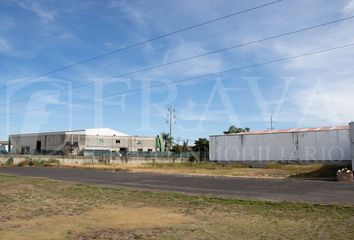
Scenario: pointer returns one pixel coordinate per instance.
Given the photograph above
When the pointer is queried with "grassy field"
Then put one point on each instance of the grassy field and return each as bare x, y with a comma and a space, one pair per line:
270, 170
34, 208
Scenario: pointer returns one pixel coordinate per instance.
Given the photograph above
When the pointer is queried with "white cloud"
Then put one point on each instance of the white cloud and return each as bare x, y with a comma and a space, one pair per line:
349, 8
187, 69
328, 101
48, 97
5, 46
202, 65
134, 12
212, 116
37, 8
322, 89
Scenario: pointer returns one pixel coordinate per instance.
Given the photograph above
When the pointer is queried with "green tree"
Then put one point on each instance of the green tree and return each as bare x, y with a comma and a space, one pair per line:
177, 148
168, 140
234, 129
185, 147
201, 145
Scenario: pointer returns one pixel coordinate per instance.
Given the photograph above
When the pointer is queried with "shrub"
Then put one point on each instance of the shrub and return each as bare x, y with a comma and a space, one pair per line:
24, 163
29, 163
192, 159
9, 161
51, 162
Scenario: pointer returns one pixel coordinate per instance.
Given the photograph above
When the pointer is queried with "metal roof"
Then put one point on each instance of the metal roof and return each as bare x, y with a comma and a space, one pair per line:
98, 132
90, 131
290, 130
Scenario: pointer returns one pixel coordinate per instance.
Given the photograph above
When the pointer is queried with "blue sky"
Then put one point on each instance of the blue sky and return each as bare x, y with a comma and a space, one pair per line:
39, 36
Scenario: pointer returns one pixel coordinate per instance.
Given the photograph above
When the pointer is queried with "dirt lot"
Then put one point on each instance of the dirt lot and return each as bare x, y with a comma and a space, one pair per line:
35, 208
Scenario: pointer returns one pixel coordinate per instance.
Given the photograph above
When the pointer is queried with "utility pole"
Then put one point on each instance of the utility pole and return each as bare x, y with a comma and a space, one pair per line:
171, 120
271, 122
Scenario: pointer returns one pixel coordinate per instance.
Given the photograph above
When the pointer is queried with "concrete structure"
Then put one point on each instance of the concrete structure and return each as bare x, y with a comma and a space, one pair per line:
293, 145
4, 147
80, 142
351, 125
82, 160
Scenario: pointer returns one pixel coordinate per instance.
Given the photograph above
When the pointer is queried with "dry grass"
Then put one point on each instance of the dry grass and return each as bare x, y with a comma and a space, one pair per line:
106, 216
271, 170
34, 208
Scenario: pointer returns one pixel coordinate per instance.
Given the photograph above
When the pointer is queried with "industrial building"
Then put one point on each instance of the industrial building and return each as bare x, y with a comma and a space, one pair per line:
293, 145
86, 142
351, 134
4, 147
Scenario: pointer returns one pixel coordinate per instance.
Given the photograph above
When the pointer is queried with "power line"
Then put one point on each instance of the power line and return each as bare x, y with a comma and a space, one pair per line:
149, 40
191, 57
206, 75
266, 21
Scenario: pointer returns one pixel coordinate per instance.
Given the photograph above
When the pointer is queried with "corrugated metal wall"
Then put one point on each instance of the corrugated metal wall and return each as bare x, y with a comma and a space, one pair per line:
292, 146
351, 125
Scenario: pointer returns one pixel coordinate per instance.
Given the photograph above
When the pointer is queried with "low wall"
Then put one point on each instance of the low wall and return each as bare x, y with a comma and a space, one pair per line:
68, 160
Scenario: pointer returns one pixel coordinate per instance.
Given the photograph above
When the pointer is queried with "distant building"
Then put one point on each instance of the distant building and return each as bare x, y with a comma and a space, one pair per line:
4, 147
351, 125
293, 145
80, 142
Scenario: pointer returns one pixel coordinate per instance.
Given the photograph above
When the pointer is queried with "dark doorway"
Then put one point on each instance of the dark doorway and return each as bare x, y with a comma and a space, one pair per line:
39, 147
123, 150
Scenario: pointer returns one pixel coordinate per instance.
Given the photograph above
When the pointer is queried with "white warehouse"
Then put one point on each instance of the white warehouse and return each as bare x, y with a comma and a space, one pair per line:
80, 142
293, 145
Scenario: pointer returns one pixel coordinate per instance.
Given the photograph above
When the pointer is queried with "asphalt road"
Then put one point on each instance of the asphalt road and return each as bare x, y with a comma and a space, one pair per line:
292, 190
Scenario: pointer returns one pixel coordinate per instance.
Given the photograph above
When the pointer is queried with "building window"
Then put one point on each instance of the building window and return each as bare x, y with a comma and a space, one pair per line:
149, 150
139, 142
117, 141
140, 149
100, 140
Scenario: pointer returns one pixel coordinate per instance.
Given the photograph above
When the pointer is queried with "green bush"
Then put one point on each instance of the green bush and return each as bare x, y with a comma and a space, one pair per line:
9, 161
25, 163
51, 162
192, 159
30, 162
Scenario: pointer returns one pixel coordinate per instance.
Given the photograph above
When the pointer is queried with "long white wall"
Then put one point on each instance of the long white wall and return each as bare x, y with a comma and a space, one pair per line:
331, 145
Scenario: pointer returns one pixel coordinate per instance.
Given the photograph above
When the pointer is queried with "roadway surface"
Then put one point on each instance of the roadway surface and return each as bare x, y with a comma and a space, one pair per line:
292, 190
